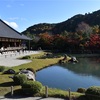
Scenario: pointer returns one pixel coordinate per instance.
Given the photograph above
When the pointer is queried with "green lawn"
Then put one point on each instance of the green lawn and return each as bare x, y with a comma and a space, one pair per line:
38, 62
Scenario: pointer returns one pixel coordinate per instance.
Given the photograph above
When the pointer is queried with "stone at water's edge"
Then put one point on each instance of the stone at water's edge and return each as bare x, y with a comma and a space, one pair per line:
30, 75
67, 59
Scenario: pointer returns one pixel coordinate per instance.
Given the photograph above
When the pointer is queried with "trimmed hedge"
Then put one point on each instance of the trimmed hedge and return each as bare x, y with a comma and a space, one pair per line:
26, 57
94, 90
81, 90
2, 68
31, 87
19, 79
93, 93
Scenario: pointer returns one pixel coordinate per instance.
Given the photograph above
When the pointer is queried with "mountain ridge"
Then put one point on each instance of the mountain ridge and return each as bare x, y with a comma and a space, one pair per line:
68, 25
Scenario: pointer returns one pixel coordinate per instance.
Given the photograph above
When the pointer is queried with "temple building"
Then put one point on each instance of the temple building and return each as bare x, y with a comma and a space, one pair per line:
11, 39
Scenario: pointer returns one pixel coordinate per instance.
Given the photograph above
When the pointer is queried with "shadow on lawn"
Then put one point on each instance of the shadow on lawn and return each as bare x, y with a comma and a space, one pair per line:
87, 97
82, 97
7, 84
16, 94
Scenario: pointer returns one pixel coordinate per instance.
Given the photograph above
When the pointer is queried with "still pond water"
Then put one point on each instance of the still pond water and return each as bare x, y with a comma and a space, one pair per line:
84, 74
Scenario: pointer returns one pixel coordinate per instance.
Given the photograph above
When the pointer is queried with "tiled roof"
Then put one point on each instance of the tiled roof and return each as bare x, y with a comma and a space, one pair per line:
7, 32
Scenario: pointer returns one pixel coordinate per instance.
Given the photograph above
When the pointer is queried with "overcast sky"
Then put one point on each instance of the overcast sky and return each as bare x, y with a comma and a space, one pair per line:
21, 14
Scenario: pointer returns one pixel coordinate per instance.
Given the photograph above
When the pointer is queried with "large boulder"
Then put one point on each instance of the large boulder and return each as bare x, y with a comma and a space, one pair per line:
30, 75
67, 59
9, 71
73, 59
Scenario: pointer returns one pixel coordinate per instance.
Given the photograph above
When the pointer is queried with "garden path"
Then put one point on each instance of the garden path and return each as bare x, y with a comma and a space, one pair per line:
10, 59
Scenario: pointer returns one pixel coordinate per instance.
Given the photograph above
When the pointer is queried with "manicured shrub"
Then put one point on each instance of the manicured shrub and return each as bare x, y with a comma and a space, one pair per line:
2, 68
26, 57
94, 90
81, 90
31, 87
93, 93
19, 79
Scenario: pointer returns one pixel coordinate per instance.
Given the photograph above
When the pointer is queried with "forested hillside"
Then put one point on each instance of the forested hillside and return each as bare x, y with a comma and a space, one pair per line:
79, 34
69, 25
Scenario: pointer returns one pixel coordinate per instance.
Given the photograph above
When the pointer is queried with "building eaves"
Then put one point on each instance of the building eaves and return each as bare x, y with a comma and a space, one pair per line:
8, 32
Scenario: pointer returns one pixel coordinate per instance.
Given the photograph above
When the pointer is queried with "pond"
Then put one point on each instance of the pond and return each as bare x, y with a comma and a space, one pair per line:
83, 74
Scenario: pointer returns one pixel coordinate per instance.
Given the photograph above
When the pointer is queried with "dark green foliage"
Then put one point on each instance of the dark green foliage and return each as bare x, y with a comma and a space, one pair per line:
26, 57
19, 79
81, 90
93, 93
39, 28
2, 68
31, 87
94, 90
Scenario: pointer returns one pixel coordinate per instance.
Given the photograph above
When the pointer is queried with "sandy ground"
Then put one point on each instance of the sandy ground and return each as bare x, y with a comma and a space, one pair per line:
10, 59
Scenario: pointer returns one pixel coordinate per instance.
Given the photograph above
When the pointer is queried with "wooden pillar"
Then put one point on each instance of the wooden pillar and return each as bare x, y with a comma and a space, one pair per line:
46, 91
12, 92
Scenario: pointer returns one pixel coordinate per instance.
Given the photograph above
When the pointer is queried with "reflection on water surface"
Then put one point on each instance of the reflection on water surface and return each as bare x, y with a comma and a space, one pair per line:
84, 74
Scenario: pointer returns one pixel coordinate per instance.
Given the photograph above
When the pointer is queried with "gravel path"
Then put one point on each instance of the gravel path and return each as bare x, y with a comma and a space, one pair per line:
30, 98
10, 59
